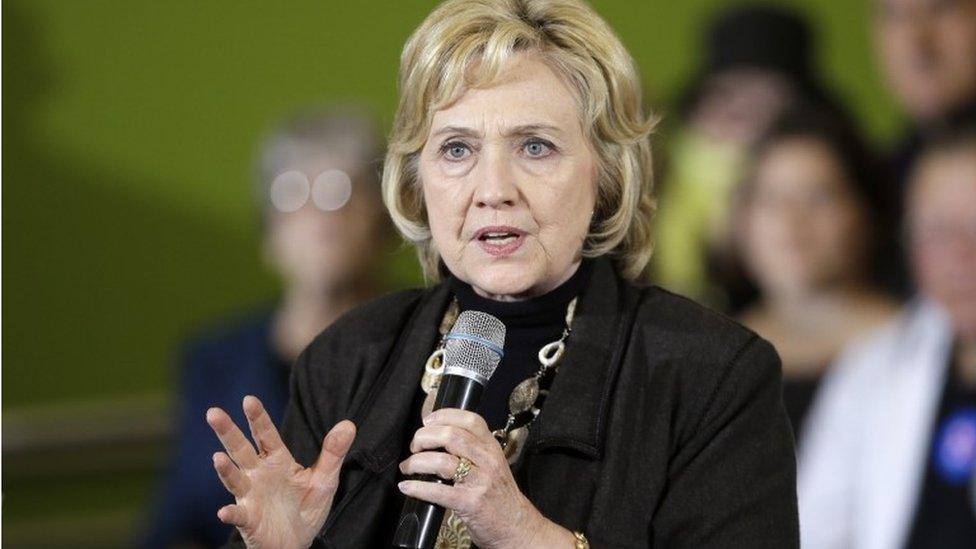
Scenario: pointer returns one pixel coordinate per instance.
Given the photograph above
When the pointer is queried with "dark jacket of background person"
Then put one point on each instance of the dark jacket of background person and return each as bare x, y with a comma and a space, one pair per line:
217, 369
664, 426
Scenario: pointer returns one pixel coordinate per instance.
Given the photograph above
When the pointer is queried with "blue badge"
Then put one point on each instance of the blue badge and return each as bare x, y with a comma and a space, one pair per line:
955, 448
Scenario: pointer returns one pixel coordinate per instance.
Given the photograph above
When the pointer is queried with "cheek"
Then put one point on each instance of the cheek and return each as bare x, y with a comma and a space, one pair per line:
758, 230
767, 229
926, 263
441, 225
570, 214
839, 232
446, 220
563, 200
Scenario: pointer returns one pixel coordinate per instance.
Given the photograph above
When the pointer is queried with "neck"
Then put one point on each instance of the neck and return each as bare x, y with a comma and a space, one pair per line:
307, 309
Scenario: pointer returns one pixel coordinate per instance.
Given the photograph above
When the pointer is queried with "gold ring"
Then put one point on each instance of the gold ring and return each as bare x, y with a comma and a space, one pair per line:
463, 468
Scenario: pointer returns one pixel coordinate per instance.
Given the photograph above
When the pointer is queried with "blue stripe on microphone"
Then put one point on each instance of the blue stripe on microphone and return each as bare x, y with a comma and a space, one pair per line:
474, 339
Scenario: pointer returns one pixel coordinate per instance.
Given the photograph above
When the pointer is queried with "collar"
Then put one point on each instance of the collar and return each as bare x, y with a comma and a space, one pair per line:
546, 309
576, 410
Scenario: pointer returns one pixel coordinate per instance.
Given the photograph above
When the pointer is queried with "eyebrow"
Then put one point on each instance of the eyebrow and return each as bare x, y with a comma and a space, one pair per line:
522, 129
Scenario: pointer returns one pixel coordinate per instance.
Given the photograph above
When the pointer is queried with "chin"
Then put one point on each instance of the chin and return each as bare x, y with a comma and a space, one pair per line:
506, 279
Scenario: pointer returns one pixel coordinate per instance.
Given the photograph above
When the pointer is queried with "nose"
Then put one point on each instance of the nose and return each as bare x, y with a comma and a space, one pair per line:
496, 186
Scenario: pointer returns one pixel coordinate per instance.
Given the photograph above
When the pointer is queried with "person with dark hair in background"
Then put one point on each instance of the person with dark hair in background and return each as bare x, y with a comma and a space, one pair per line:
808, 221
927, 52
758, 62
890, 457
324, 230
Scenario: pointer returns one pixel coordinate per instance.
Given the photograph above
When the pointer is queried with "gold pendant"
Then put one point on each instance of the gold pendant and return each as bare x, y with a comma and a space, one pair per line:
524, 396
433, 371
514, 442
453, 533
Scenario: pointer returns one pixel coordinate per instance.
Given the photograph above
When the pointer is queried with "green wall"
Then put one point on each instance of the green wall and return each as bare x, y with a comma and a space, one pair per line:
128, 135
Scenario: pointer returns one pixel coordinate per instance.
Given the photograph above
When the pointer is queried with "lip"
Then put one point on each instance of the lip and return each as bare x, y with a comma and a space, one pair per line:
500, 250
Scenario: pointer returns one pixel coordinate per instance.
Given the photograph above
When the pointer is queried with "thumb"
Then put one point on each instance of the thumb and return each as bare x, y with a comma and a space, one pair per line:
335, 446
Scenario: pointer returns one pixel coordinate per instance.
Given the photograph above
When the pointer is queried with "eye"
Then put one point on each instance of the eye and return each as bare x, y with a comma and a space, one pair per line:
455, 150
537, 148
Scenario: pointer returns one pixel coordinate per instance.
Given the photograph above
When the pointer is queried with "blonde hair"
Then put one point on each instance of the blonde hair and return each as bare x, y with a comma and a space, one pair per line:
436, 68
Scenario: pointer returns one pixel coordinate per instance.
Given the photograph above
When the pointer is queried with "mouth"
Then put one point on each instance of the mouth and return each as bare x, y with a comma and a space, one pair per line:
500, 240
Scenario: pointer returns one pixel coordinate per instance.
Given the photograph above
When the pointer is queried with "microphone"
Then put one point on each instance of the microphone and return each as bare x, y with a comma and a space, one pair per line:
472, 350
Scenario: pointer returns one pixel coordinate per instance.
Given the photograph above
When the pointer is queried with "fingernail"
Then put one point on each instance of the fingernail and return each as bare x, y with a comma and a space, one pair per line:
402, 486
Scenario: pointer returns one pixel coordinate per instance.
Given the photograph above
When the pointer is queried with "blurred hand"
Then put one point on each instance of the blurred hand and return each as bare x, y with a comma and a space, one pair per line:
488, 499
280, 503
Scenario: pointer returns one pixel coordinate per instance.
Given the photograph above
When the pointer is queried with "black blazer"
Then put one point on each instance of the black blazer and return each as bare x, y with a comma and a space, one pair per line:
664, 426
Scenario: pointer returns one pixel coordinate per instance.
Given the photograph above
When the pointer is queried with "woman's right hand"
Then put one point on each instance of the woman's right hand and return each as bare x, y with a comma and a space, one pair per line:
280, 503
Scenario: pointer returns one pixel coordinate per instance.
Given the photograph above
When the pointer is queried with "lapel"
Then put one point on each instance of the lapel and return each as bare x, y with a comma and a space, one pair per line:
382, 417
576, 410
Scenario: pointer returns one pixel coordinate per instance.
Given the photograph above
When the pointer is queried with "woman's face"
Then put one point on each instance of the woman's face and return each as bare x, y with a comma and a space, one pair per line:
942, 231
329, 235
509, 183
803, 226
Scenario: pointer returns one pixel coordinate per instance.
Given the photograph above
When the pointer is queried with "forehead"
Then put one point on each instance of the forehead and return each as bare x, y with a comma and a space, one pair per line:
783, 157
526, 91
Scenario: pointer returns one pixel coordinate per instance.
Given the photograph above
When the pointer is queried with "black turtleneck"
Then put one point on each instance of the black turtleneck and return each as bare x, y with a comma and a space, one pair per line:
529, 324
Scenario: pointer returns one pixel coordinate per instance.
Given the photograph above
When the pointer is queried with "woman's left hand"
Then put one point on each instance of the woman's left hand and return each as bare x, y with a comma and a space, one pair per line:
487, 500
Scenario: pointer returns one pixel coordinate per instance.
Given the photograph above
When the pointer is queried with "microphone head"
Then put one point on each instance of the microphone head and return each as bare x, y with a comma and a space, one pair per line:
474, 346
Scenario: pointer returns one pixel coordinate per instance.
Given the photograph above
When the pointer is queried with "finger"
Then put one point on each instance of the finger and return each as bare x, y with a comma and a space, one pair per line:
234, 441
444, 495
335, 446
233, 479
454, 440
233, 514
262, 428
441, 464
464, 419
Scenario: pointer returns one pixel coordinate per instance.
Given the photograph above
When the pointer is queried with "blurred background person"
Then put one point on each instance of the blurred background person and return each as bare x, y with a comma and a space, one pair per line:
807, 225
758, 62
889, 458
324, 231
927, 52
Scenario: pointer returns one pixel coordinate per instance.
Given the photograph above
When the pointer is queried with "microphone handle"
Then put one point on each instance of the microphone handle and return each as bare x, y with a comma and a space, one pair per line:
420, 521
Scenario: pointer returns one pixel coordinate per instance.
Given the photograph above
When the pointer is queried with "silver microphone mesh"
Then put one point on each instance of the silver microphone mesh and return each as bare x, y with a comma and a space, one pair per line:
474, 346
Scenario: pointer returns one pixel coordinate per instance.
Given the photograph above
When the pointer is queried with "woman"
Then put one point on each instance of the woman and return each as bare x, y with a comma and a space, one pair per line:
810, 220
758, 61
519, 164
316, 247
